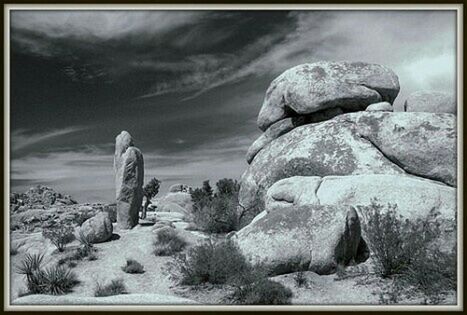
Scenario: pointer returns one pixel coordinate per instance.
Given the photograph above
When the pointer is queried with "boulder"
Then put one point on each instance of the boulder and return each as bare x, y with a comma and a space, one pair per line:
314, 237
415, 197
380, 107
182, 199
318, 87
179, 188
97, 229
420, 144
431, 101
129, 175
172, 207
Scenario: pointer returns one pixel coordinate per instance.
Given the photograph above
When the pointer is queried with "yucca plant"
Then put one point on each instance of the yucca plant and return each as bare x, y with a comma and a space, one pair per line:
59, 280
53, 280
30, 263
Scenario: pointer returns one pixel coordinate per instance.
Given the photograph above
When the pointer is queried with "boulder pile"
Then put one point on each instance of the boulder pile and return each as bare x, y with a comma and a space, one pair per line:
332, 144
38, 197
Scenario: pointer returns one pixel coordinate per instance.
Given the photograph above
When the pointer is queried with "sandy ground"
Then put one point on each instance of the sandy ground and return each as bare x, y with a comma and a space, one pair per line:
156, 286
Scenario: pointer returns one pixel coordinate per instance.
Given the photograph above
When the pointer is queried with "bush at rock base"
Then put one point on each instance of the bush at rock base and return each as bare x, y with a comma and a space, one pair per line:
168, 242
222, 263
216, 212
216, 263
115, 287
60, 236
53, 280
405, 250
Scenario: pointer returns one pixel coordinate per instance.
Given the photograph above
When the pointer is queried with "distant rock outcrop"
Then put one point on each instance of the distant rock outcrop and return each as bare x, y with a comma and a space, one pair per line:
97, 229
179, 188
129, 175
38, 197
431, 102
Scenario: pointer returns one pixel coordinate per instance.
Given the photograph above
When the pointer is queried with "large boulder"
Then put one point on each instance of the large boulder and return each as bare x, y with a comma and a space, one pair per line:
431, 101
179, 188
321, 86
182, 199
314, 237
97, 229
415, 197
129, 175
421, 144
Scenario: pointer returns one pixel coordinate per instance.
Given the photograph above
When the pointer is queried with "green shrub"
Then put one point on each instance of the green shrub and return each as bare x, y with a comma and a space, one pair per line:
216, 263
168, 242
115, 287
132, 266
60, 236
52, 280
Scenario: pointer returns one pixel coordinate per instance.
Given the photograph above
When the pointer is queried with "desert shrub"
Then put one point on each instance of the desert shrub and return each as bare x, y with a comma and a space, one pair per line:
216, 213
132, 266
168, 242
216, 263
150, 190
201, 196
115, 287
262, 292
60, 236
404, 250
433, 273
52, 280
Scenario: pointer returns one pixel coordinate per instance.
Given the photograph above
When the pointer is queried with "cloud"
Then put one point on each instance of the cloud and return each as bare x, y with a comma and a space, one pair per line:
98, 25
21, 139
398, 39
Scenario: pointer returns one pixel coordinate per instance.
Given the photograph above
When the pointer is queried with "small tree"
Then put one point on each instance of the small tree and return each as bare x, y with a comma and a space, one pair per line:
60, 236
150, 190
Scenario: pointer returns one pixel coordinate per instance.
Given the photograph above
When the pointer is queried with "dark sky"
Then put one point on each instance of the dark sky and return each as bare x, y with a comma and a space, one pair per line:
187, 85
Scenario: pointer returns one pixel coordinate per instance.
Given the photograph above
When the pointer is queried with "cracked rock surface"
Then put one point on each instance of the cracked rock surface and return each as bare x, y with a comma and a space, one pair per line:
419, 144
314, 87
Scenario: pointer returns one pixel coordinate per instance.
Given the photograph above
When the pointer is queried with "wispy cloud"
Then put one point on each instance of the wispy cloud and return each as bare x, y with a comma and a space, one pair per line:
21, 139
98, 25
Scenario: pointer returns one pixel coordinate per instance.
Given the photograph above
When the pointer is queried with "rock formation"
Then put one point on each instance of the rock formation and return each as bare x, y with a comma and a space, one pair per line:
331, 145
179, 188
430, 101
97, 229
129, 175
38, 197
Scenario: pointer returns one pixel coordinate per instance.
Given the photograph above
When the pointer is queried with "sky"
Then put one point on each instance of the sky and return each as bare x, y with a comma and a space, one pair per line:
187, 85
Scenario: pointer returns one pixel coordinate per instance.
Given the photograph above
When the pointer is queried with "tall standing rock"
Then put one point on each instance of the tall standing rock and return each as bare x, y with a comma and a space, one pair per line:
129, 174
